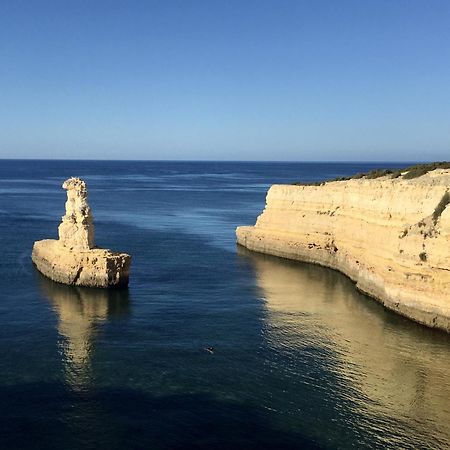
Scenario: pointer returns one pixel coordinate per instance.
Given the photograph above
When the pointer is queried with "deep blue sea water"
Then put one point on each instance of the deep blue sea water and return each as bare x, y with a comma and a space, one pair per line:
301, 359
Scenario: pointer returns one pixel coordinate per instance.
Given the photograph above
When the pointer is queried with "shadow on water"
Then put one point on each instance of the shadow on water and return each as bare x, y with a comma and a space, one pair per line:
88, 302
393, 371
48, 416
81, 312
76, 413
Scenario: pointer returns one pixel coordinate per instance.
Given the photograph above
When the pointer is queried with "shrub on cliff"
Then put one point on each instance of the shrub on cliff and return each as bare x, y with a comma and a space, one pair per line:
421, 169
377, 173
445, 200
408, 173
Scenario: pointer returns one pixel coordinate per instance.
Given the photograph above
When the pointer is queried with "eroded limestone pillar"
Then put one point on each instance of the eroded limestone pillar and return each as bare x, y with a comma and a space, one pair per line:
76, 230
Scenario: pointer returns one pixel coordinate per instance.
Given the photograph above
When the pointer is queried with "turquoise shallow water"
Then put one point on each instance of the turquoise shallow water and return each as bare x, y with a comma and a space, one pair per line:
301, 359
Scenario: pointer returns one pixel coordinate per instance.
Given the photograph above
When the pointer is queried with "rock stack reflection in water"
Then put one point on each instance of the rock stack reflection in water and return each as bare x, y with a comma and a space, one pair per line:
81, 313
314, 314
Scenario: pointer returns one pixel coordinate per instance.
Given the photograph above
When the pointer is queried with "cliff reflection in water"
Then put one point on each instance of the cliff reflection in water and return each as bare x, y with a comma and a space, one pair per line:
81, 311
387, 367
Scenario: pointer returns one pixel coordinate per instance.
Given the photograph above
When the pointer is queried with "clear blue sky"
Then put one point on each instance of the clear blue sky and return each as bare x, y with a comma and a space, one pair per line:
252, 80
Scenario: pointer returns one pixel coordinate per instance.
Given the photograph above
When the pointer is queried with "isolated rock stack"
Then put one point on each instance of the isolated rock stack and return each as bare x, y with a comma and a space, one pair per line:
73, 259
77, 229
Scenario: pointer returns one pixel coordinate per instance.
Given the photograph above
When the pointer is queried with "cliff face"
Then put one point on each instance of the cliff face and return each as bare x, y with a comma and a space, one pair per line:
73, 259
391, 236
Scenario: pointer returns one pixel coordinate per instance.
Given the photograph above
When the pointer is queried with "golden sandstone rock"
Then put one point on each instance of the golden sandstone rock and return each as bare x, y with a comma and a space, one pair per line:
389, 235
76, 230
73, 259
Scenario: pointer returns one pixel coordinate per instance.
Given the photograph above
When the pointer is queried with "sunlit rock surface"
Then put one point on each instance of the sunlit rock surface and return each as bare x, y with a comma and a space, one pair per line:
73, 259
391, 236
76, 230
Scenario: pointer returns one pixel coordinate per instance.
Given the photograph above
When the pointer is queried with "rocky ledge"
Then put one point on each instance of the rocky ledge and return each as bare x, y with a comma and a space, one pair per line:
73, 258
391, 235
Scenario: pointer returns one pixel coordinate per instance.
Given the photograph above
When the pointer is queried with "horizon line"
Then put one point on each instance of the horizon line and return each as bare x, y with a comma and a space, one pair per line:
228, 160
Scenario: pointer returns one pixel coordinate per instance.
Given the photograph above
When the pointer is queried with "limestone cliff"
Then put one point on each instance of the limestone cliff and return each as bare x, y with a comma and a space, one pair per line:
73, 259
390, 235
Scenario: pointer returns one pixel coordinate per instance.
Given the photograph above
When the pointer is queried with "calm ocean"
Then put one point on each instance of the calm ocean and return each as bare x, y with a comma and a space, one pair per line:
301, 359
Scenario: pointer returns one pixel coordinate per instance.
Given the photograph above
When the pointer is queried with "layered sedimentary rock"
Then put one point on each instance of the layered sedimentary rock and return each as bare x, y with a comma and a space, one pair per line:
73, 258
76, 230
391, 236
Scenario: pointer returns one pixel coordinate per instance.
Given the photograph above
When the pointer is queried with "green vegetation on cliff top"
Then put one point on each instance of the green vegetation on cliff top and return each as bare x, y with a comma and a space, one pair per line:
407, 173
